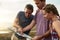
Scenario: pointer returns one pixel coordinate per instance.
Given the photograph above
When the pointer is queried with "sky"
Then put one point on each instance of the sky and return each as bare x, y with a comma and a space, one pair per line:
10, 8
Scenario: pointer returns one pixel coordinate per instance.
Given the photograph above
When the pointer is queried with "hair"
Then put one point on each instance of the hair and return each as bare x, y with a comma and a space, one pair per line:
50, 7
29, 6
42, 0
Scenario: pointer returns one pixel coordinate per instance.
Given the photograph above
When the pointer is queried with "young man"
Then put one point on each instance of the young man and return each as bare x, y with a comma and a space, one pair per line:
22, 20
42, 26
41, 23
51, 13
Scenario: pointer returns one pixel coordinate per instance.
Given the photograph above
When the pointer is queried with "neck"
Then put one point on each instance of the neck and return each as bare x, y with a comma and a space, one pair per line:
40, 8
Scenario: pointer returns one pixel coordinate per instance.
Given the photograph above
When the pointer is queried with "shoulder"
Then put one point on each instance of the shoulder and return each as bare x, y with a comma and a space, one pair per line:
56, 23
32, 16
21, 12
37, 11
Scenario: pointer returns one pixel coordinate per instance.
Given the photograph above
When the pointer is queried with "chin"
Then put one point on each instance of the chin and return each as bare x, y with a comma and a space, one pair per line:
27, 17
48, 18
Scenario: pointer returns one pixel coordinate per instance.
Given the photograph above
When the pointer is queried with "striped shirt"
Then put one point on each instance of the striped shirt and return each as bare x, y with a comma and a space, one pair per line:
41, 24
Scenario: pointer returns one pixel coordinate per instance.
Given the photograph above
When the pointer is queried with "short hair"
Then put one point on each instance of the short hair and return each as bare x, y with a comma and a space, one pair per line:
42, 0
29, 6
51, 7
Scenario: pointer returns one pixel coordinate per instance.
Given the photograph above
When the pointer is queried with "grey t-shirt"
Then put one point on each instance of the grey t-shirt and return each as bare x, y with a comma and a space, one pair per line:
24, 21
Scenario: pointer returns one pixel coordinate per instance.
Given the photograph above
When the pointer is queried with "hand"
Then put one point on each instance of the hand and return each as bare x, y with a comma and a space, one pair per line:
20, 30
36, 38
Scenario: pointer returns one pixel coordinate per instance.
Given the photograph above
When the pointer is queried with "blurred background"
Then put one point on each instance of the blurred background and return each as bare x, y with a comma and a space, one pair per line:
9, 10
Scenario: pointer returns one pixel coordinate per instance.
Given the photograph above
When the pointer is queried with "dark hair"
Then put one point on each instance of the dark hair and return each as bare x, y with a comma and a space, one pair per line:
50, 7
42, 0
29, 6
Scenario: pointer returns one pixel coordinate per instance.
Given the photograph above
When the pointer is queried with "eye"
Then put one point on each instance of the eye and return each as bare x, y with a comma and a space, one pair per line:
42, 0
37, 3
26, 12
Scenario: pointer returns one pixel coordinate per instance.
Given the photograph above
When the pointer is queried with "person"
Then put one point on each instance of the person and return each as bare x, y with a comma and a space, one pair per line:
42, 26
51, 13
23, 19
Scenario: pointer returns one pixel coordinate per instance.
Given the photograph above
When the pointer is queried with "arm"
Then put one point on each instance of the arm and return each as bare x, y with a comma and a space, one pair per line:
41, 36
48, 32
56, 25
45, 34
16, 23
30, 26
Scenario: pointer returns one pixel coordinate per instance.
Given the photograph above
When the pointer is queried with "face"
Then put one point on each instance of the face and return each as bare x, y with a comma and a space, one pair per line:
28, 12
47, 15
39, 4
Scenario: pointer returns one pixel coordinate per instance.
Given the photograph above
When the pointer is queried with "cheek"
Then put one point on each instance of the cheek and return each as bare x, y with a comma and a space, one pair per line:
45, 16
48, 16
25, 14
40, 4
43, 3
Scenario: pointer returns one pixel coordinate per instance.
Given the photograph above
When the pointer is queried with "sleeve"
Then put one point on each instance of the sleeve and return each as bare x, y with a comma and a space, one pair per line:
19, 14
36, 15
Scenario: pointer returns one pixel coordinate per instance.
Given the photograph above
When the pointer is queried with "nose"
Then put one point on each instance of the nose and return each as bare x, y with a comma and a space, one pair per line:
37, 5
28, 15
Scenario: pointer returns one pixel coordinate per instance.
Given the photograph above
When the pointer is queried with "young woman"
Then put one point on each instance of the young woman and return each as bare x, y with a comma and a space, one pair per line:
50, 12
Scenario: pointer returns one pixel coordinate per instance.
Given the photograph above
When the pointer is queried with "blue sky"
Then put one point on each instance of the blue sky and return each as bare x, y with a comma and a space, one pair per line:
10, 8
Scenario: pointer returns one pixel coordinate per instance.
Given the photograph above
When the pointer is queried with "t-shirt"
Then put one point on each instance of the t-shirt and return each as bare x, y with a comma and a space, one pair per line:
23, 21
